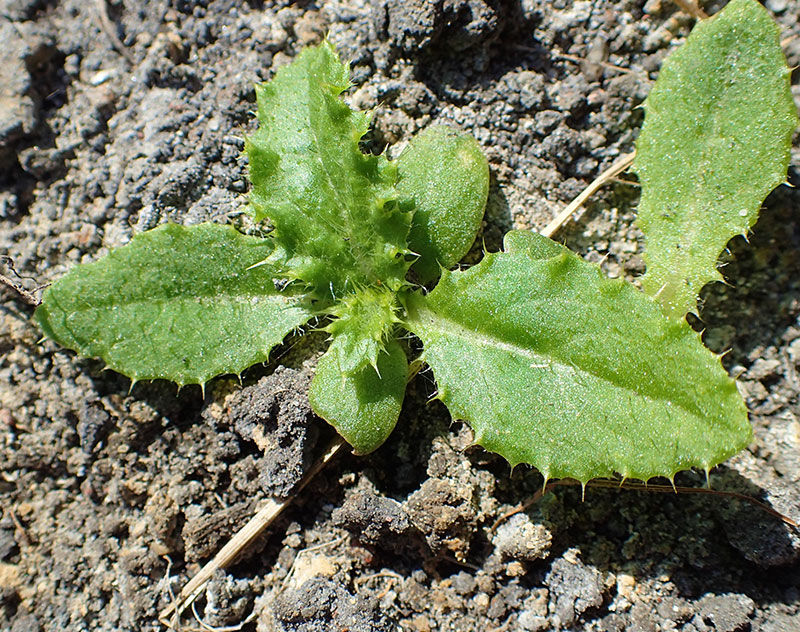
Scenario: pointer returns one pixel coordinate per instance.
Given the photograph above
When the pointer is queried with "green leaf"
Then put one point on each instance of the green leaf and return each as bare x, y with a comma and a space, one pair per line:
363, 405
581, 376
179, 303
363, 323
715, 141
359, 383
445, 175
337, 222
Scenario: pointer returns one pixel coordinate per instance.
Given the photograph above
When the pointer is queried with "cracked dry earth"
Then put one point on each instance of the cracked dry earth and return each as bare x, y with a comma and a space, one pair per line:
118, 115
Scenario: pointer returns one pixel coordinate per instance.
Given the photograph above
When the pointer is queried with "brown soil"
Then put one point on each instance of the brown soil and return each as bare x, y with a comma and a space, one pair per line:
118, 116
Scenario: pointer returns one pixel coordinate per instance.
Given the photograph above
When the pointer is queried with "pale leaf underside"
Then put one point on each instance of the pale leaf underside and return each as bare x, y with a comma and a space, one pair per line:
580, 376
715, 141
177, 303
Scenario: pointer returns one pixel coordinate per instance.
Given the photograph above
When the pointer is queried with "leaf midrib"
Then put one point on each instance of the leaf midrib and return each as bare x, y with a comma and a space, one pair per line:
449, 328
232, 298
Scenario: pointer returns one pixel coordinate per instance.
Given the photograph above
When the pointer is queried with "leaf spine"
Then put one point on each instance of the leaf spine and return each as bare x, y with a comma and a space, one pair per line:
671, 479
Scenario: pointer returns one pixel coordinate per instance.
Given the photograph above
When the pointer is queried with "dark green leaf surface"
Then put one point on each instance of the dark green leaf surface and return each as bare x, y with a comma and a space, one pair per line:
581, 376
177, 303
363, 405
715, 141
337, 222
446, 176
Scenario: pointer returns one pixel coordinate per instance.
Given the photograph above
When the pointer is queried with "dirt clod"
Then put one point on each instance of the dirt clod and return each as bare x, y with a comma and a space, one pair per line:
575, 587
372, 519
276, 416
727, 612
321, 605
519, 538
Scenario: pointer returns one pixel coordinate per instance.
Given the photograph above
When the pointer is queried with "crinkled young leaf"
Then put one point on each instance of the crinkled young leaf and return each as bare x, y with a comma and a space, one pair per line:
715, 141
363, 405
445, 175
178, 303
337, 223
581, 376
362, 325
359, 383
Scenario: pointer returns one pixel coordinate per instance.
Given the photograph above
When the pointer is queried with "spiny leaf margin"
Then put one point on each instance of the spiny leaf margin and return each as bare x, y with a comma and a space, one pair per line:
337, 223
178, 303
715, 141
554, 365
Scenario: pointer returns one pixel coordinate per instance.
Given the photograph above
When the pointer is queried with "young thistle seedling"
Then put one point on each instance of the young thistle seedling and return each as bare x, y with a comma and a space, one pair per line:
551, 363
